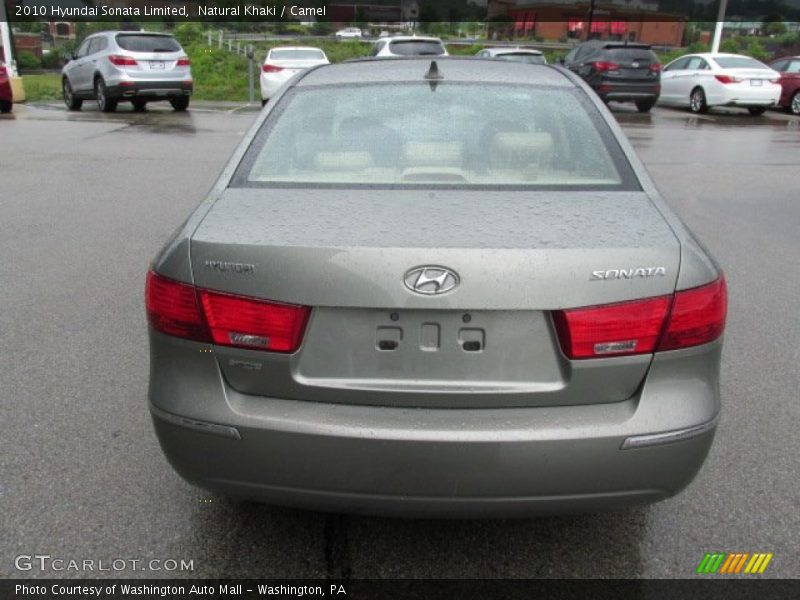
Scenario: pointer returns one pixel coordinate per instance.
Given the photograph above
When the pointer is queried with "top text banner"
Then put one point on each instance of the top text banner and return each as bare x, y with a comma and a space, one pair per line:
395, 11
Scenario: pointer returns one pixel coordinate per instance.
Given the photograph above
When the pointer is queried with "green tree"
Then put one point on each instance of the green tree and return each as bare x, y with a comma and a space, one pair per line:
189, 33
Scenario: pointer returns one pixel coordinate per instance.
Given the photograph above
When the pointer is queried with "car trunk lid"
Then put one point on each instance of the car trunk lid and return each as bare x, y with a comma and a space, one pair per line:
488, 342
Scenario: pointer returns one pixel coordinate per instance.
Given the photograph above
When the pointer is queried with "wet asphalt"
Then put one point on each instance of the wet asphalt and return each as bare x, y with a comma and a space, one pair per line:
86, 199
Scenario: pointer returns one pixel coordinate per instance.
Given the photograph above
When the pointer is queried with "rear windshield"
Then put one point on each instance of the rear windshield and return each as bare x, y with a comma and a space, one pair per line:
739, 62
523, 57
629, 54
296, 55
453, 135
416, 48
147, 43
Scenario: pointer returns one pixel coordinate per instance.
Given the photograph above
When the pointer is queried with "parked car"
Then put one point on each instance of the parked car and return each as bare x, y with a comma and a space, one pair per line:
343, 336
6, 94
349, 33
284, 62
789, 69
123, 66
700, 81
408, 45
524, 55
618, 71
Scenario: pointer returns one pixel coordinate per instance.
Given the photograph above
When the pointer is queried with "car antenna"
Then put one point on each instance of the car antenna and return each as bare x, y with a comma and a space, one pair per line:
433, 75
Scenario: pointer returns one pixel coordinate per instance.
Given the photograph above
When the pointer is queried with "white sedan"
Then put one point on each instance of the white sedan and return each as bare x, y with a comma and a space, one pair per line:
284, 62
701, 81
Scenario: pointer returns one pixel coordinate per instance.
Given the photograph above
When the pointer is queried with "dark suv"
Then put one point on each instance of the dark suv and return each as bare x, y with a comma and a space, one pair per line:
618, 71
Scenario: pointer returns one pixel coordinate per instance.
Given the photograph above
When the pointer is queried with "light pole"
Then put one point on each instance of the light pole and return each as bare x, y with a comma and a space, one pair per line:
723, 6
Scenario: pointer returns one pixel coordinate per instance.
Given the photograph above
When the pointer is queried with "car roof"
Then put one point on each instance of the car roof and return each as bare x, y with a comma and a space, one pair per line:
514, 50
413, 38
461, 69
616, 45
121, 31
297, 48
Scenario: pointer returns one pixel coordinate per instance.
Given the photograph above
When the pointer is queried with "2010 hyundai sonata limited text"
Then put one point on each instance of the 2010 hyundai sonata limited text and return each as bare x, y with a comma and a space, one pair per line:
436, 288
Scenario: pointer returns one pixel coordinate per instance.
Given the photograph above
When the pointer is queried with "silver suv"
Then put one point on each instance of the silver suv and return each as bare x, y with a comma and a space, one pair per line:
139, 67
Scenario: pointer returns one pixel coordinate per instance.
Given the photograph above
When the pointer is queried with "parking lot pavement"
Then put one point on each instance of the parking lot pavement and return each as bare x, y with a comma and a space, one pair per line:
86, 199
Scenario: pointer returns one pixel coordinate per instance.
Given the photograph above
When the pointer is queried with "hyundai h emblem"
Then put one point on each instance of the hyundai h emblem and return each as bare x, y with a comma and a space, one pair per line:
431, 280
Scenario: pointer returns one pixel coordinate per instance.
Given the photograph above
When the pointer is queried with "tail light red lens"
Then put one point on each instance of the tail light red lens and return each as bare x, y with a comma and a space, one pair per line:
727, 79
605, 65
688, 318
655, 67
697, 317
184, 311
122, 61
271, 69
172, 308
612, 329
183, 61
255, 324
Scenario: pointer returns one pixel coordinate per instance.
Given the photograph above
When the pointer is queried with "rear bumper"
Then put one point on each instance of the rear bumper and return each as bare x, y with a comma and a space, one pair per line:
627, 92
150, 90
755, 96
435, 462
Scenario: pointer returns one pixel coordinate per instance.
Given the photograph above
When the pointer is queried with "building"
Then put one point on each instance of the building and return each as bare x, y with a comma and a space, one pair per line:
632, 20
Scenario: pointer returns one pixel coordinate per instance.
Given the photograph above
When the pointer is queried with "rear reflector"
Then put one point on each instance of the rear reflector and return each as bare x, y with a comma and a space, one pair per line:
184, 311
688, 318
697, 316
122, 61
172, 308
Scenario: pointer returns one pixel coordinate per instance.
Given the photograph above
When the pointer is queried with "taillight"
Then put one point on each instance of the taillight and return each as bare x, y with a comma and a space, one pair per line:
183, 61
271, 69
252, 323
655, 67
172, 308
122, 61
202, 315
688, 318
605, 65
727, 79
697, 316
612, 329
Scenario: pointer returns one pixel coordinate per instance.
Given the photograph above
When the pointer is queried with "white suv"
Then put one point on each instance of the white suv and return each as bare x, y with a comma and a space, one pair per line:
349, 33
407, 45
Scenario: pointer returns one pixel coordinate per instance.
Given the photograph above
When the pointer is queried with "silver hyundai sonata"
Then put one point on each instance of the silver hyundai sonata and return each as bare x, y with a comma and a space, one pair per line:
436, 288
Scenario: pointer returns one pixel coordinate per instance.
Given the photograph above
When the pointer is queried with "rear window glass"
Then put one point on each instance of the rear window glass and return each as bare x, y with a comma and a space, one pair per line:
794, 67
628, 54
523, 57
147, 43
416, 48
739, 62
451, 134
296, 55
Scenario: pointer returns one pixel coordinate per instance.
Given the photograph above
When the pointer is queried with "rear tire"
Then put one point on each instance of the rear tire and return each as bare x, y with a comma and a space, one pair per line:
757, 111
5, 106
139, 105
180, 104
104, 103
794, 104
697, 101
644, 106
70, 100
